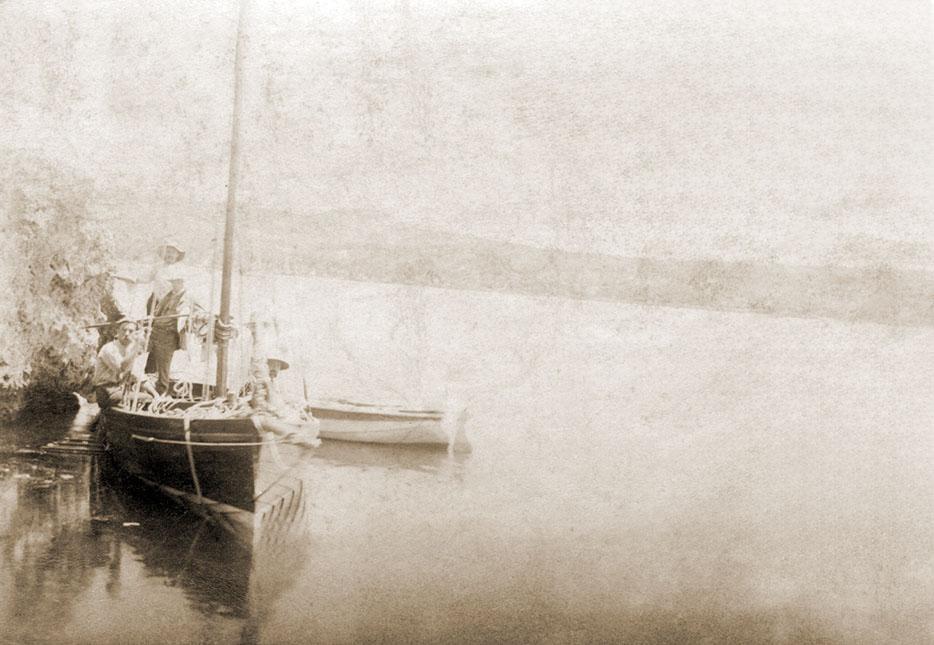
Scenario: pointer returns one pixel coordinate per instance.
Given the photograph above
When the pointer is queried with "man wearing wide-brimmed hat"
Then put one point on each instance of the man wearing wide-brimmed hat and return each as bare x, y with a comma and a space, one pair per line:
170, 254
170, 315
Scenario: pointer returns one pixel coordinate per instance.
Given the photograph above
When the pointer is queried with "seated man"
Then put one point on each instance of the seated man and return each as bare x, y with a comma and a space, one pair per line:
114, 366
281, 416
277, 399
266, 393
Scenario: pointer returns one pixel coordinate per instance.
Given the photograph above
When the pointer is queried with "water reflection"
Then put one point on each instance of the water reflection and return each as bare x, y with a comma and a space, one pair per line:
416, 458
50, 548
638, 476
35, 429
210, 567
76, 539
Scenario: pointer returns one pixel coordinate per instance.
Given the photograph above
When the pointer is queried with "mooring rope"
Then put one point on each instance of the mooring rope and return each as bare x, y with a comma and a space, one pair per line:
274, 450
191, 457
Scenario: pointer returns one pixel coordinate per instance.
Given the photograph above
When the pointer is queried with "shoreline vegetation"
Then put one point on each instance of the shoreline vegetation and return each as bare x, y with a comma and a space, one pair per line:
55, 261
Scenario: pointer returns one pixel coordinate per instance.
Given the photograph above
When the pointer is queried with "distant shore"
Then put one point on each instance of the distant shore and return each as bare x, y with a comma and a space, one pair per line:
349, 248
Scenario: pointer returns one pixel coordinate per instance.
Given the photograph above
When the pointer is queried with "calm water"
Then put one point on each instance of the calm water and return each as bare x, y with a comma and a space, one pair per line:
638, 475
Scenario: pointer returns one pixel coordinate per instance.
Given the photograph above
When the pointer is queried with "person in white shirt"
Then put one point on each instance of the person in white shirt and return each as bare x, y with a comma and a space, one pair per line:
114, 366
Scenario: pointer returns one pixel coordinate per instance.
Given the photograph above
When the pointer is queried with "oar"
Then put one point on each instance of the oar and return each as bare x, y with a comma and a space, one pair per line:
111, 324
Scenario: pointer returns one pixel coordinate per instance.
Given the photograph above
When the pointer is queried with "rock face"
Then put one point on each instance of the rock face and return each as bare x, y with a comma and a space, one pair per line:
54, 261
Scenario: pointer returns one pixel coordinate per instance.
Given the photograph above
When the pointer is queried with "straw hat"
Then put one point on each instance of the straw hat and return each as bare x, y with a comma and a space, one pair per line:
171, 245
277, 363
279, 358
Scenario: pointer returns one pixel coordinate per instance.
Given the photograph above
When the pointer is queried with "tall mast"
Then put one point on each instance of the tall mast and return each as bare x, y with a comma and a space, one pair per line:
231, 220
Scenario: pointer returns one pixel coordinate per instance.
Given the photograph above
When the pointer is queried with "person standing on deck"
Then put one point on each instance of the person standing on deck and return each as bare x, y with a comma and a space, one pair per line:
170, 254
114, 366
175, 315
170, 313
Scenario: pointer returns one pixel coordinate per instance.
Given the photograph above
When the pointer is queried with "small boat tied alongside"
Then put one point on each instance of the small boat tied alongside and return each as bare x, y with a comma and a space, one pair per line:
76, 443
343, 420
80, 439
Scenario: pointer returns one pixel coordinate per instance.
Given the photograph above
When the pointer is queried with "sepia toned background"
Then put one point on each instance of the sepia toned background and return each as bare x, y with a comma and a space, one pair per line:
793, 133
674, 257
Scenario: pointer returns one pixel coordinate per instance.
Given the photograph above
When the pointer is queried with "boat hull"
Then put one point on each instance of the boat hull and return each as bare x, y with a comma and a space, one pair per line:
225, 463
355, 422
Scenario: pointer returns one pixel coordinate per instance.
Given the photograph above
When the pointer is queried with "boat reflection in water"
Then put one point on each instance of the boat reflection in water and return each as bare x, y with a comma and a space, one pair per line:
423, 459
86, 556
233, 574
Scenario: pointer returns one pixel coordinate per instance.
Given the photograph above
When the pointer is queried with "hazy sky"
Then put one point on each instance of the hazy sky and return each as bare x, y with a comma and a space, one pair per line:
797, 131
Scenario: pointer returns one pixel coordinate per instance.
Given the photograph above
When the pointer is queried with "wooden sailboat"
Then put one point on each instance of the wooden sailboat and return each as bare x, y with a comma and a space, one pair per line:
219, 455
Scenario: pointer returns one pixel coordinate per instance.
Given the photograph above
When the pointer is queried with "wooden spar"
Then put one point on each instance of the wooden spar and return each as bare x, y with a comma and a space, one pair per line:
134, 320
221, 382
